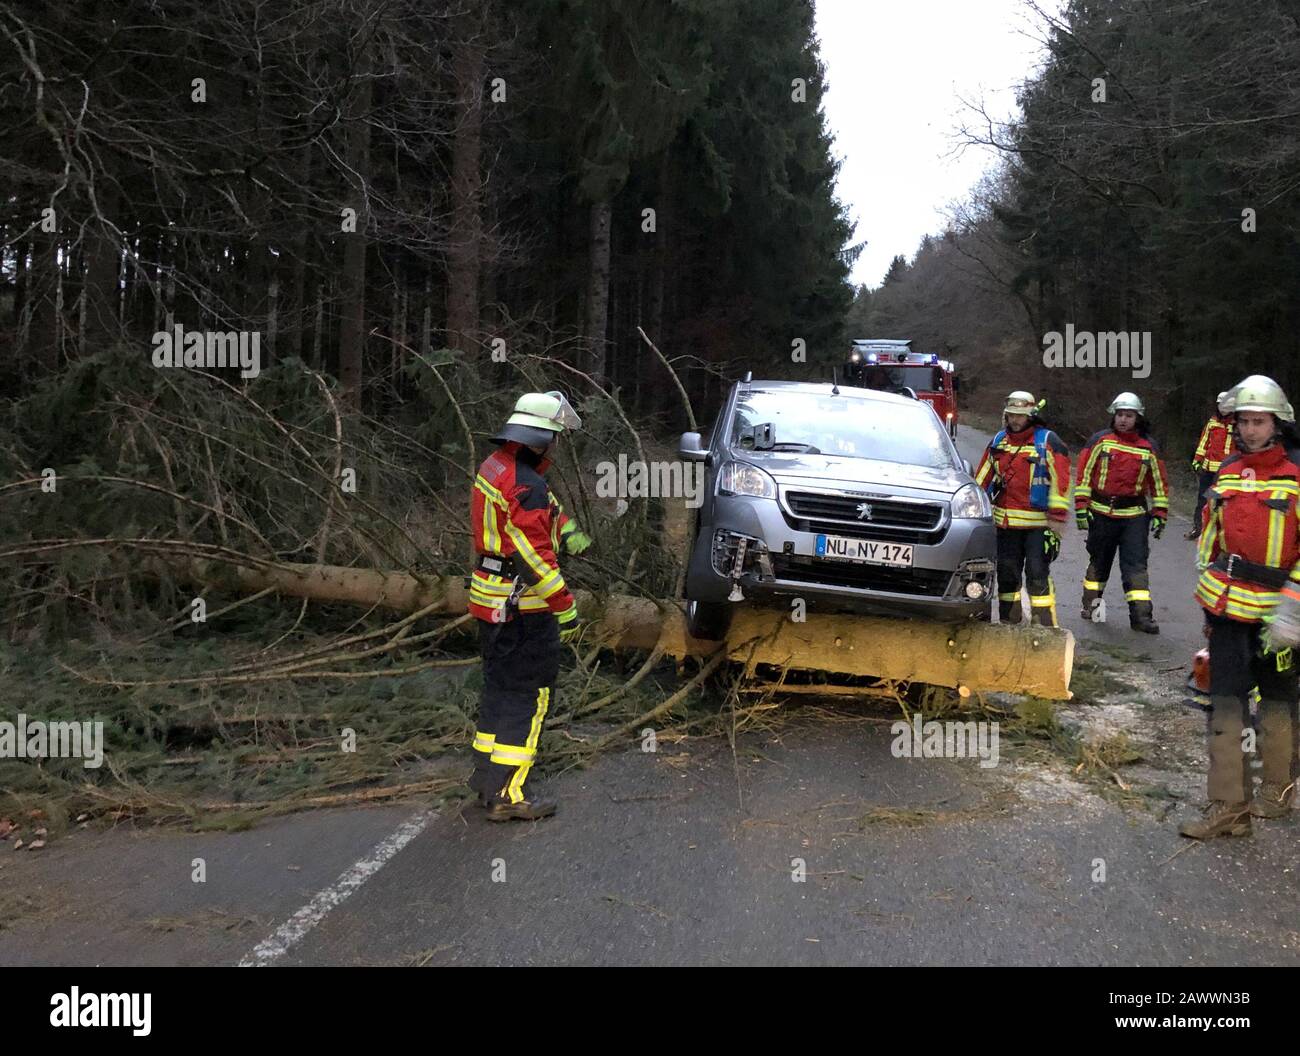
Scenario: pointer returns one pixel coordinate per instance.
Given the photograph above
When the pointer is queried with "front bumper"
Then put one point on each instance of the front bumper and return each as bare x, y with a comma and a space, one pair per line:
779, 562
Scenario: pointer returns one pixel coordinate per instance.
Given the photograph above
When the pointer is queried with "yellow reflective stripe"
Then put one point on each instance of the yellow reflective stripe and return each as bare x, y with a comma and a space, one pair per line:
1204, 442
1276, 530
527, 551
491, 533
1086, 475
1010, 596
497, 589
483, 741
1128, 449
515, 787
1092, 584
1042, 601
1137, 595
1056, 498
481, 482
1100, 507
1232, 482
551, 583
1005, 518
535, 730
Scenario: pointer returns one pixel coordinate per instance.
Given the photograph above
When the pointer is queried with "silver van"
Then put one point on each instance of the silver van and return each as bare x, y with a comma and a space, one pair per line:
854, 500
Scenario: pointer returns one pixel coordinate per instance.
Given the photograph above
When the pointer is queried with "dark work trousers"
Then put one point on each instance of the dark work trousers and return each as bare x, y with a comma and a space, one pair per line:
1237, 665
1128, 536
1022, 549
1203, 481
521, 662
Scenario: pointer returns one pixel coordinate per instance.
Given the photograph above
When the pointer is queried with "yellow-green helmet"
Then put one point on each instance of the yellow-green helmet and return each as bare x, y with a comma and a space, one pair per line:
1260, 393
538, 418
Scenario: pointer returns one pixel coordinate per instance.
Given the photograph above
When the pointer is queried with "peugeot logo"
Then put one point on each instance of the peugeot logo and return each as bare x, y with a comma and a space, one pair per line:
864, 511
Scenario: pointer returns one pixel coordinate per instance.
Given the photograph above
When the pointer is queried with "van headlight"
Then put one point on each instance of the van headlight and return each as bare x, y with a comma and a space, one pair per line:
971, 503
740, 478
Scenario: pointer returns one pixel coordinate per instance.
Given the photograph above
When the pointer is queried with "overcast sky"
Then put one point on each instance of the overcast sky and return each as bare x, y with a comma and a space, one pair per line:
897, 71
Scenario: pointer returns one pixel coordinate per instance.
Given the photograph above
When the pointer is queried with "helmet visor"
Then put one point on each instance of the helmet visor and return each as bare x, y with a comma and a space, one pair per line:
566, 417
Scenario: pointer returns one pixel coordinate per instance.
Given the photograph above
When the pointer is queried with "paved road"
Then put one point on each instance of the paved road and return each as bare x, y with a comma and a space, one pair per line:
690, 856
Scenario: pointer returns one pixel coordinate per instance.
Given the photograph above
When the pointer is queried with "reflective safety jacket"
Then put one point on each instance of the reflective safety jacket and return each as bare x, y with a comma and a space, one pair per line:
1117, 472
1252, 512
1215, 445
1027, 475
517, 523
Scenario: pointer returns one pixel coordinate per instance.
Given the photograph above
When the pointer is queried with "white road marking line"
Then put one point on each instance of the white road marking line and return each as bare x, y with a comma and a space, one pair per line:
293, 930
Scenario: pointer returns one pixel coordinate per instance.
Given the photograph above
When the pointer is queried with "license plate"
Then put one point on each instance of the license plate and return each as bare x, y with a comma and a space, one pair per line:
864, 551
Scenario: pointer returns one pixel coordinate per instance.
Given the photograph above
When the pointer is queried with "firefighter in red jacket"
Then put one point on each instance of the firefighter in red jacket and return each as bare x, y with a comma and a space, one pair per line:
1214, 446
524, 608
1249, 562
1026, 471
1119, 471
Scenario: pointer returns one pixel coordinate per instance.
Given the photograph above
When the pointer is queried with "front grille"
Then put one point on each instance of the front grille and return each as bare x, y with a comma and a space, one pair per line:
928, 582
897, 521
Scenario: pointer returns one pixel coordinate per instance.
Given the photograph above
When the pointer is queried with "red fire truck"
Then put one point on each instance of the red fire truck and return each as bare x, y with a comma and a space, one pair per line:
891, 365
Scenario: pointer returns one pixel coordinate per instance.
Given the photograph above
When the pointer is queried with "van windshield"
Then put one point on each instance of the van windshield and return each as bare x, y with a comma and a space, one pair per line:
838, 425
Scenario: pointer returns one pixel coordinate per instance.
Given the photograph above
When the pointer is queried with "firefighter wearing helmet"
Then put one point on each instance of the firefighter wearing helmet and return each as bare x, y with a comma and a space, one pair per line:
1249, 587
1026, 471
1121, 490
1213, 447
519, 596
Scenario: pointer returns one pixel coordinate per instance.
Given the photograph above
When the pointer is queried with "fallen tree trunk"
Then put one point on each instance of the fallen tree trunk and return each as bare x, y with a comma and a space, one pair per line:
970, 656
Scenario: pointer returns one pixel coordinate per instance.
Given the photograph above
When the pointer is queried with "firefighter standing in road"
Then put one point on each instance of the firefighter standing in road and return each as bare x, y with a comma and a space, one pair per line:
1026, 471
1249, 561
521, 600
1118, 470
1214, 446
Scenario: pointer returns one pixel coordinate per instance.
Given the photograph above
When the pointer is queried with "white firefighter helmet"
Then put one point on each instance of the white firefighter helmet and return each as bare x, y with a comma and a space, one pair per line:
1126, 401
1260, 393
1224, 402
1020, 402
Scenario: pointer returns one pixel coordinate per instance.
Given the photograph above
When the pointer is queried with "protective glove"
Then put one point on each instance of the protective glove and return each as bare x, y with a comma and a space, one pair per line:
576, 541
1282, 629
570, 623
1157, 525
1083, 518
1051, 545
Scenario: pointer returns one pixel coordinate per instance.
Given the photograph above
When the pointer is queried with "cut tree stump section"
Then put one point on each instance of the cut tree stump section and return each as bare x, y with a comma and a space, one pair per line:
971, 656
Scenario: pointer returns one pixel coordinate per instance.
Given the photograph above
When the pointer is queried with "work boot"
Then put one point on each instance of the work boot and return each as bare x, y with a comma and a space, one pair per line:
1042, 615
1219, 819
1140, 617
1195, 533
1272, 800
499, 809
1090, 600
1010, 611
